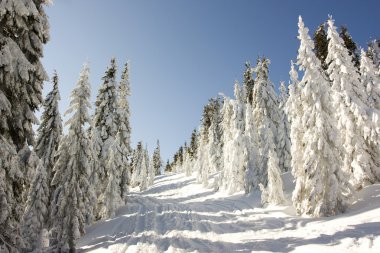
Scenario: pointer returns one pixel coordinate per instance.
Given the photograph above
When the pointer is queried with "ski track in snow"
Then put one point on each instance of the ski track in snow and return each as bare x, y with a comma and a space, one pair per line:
178, 215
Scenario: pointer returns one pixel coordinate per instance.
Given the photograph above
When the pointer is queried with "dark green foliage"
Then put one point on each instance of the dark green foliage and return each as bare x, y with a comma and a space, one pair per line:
350, 45
248, 83
210, 115
193, 148
168, 166
321, 45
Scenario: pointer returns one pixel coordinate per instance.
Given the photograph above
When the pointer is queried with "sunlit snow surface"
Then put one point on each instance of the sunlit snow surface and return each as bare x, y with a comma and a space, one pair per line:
177, 215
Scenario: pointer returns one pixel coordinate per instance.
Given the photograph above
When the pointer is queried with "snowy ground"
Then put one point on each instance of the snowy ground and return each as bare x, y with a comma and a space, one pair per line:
177, 215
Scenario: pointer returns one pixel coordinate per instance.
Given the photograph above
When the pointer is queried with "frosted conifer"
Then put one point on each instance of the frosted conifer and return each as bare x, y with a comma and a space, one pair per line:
156, 160
321, 187
105, 121
273, 193
50, 130
24, 30
283, 139
265, 109
36, 212
111, 197
123, 114
73, 199
349, 100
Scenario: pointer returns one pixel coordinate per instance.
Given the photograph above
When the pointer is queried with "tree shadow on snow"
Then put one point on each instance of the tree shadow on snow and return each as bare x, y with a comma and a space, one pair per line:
281, 244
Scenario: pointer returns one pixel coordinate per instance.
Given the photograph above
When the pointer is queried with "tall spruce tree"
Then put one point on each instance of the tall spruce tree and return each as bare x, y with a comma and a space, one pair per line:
136, 166
36, 211
265, 110
111, 197
105, 125
273, 193
350, 45
321, 45
248, 83
73, 201
156, 159
50, 131
321, 187
349, 99
283, 138
124, 128
23, 32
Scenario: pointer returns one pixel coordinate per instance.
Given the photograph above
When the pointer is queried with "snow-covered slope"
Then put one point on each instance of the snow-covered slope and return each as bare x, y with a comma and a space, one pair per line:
177, 215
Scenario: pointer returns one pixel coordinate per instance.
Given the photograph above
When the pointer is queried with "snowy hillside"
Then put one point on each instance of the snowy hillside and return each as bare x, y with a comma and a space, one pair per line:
178, 215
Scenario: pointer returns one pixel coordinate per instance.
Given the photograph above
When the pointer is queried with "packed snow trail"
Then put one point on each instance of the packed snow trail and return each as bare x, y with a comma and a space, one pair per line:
177, 215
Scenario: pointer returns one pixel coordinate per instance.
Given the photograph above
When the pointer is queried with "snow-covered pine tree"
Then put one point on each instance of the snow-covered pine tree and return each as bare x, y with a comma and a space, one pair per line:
194, 144
50, 131
294, 111
151, 172
273, 193
374, 52
248, 83
251, 144
265, 109
215, 137
321, 187
144, 170
283, 138
105, 122
226, 172
136, 165
350, 45
320, 44
370, 81
235, 148
111, 197
36, 211
23, 31
123, 115
349, 101
157, 161
74, 198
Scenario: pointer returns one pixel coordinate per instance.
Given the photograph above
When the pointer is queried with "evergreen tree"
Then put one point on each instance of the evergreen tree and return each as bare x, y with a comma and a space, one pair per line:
194, 144
111, 197
235, 154
137, 159
370, 81
151, 172
156, 160
374, 52
283, 132
248, 83
168, 167
23, 31
251, 143
73, 200
351, 109
124, 128
144, 170
321, 187
273, 193
265, 111
50, 131
34, 219
350, 45
321, 44
105, 123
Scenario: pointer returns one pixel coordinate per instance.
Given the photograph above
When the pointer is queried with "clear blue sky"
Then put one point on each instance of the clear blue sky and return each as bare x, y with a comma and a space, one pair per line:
184, 52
